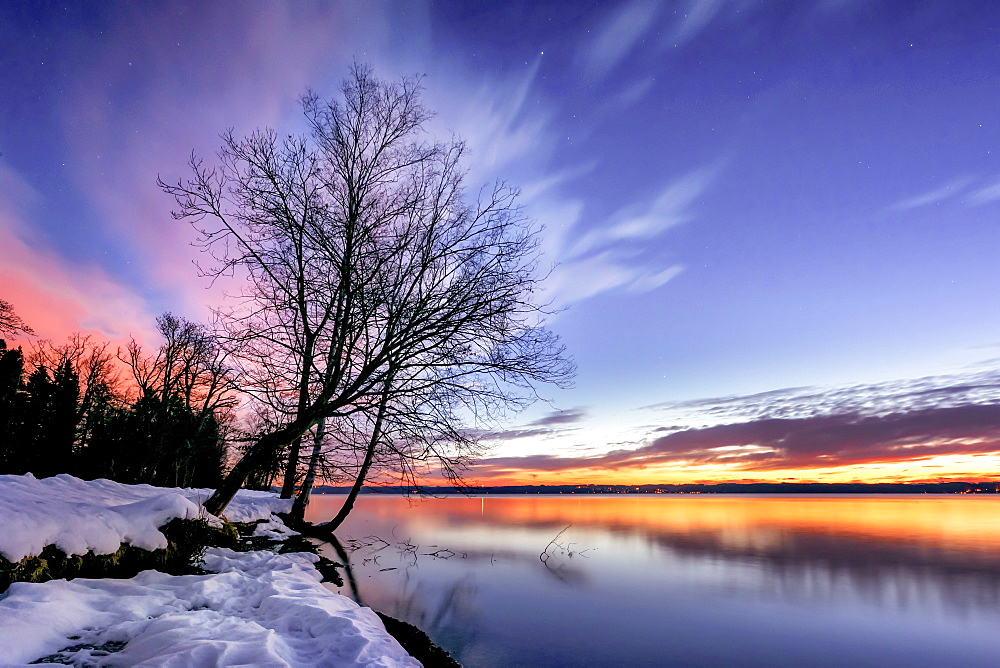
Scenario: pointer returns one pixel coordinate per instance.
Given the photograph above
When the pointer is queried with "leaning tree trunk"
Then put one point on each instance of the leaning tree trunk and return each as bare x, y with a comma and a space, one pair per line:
254, 458
366, 465
302, 500
291, 468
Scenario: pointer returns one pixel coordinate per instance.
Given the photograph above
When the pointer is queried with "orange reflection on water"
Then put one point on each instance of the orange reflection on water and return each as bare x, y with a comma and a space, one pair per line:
949, 522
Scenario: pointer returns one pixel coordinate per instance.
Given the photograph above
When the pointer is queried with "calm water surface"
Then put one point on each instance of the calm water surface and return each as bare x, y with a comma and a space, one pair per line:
685, 580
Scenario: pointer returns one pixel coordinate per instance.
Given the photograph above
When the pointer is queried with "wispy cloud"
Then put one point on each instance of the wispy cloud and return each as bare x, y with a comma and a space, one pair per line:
987, 194
568, 416
643, 221
618, 38
977, 386
494, 118
555, 423
510, 139
628, 96
647, 282
698, 15
608, 256
576, 281
952, 188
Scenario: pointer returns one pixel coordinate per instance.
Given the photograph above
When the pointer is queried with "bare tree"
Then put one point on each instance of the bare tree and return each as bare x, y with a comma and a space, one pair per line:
188, 371
372, 287
189, 365
10, 322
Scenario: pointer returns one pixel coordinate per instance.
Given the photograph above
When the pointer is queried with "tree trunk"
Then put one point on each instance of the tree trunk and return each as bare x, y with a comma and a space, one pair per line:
265, 446
302, 500
359, 481
291, 468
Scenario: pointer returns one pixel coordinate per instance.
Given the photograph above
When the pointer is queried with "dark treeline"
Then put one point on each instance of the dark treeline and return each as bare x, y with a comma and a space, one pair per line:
83, 409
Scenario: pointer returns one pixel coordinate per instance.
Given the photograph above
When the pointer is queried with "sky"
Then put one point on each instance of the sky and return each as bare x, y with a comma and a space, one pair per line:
773, 225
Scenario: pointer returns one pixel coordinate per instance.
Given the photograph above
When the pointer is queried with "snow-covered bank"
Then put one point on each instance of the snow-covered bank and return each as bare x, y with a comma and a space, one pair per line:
78, 516
259, 608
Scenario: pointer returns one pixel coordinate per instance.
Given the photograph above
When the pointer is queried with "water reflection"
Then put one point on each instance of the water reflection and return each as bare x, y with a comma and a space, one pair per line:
682, 581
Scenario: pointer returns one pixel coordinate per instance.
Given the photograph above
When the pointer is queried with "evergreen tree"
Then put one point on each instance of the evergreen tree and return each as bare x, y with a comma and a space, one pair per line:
100, 404
207, 461
83, 397
168, 445
11, 384
60, 432
29, 449
100, 434
187, 394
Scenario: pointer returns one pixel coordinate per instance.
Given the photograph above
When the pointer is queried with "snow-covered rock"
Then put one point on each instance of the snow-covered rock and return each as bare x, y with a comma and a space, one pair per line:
259, 608
78, 516
274, 529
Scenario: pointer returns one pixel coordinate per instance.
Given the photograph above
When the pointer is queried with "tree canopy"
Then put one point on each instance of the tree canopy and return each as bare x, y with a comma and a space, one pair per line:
376, 296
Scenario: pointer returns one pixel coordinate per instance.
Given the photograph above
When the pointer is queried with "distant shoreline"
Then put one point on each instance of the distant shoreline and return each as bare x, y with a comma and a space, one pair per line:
694, 488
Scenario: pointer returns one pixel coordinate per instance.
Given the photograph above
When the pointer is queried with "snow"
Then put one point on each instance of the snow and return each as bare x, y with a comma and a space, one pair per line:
258, 608
274, 529
78, 516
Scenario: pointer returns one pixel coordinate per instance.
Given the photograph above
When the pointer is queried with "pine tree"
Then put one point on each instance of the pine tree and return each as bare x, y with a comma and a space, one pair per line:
60, 433
11, 384
30, 446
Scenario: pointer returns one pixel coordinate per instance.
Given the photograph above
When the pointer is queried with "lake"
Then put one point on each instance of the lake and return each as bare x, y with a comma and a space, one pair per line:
700, 580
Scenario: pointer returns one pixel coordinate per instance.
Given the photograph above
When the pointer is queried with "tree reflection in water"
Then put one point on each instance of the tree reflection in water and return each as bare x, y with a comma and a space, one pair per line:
432, 614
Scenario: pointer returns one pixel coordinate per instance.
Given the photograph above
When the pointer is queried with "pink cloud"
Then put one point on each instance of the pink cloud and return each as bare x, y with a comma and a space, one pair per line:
159, 90
54, 297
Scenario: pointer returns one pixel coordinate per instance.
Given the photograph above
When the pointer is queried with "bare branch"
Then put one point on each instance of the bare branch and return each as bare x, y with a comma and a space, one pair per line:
374, 296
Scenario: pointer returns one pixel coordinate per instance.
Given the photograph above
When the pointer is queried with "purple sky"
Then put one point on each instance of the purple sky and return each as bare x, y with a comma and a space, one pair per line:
741, 197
